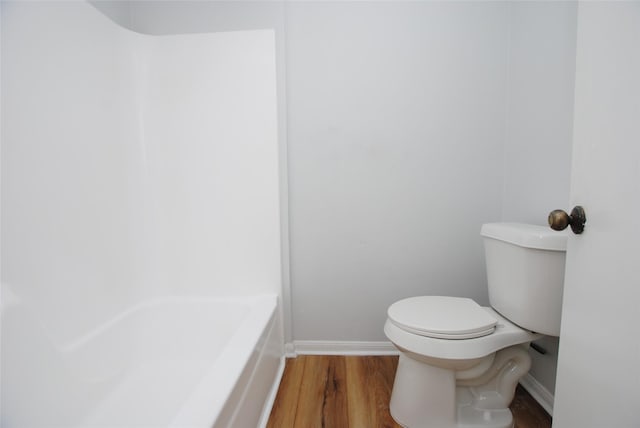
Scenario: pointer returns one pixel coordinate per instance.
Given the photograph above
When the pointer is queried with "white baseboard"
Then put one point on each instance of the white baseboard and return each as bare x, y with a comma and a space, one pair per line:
538, 392
271, 398
325, 347
289, 350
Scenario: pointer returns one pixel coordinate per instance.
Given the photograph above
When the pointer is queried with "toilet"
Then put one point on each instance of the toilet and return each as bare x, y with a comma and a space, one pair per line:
460, 362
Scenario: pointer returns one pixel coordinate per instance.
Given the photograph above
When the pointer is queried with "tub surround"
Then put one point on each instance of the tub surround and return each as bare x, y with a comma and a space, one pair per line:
138, 173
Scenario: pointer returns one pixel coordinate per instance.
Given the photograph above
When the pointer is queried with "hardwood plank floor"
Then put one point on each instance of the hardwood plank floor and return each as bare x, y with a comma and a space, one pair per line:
322, 391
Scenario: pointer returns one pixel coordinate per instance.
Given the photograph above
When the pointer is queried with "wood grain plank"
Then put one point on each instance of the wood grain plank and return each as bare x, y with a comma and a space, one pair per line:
369, 385
358, 397
334, 412
381, 371
527, 413
311, 398
283, 412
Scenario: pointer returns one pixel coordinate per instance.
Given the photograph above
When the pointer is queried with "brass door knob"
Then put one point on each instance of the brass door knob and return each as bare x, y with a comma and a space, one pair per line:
559, 220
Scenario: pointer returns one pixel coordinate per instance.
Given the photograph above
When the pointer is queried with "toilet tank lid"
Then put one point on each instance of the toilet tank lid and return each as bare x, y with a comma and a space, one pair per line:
527, 235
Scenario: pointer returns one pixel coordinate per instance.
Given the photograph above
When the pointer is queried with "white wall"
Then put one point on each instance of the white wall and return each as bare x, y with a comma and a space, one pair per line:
542, 51
396, 119
119, 11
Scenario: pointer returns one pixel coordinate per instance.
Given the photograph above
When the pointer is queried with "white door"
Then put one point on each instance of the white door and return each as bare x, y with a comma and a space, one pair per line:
598, 383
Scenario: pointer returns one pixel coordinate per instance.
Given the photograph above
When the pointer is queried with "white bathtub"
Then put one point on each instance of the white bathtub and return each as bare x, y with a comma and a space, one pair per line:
168, 362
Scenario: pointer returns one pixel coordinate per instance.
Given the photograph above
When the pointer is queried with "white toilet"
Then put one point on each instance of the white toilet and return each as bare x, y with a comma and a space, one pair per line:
459, 362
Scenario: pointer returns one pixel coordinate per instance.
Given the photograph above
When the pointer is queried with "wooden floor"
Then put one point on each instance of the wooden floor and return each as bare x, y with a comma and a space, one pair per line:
343, 391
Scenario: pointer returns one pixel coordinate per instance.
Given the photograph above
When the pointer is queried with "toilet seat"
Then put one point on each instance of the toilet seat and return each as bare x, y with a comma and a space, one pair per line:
442, 317
506, 334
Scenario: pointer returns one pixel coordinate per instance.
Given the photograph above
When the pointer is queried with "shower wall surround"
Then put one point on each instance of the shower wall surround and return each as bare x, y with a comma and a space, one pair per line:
133, 166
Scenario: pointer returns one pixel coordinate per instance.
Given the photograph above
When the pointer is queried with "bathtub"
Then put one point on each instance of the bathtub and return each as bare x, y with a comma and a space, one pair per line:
168, 362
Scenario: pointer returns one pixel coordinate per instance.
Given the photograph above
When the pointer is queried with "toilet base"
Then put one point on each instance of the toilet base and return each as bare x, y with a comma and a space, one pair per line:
466, 415
423, 396
469, 416
427, 396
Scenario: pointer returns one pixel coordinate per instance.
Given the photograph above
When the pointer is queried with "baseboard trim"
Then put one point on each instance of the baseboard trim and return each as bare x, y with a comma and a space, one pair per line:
289, 350
538, 392
326, 347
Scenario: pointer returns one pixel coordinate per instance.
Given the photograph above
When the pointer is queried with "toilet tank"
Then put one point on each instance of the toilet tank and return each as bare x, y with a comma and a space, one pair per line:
525, 274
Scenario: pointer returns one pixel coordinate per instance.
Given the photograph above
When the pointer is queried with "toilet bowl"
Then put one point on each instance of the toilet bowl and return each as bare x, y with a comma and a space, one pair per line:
443, 382
460, 362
